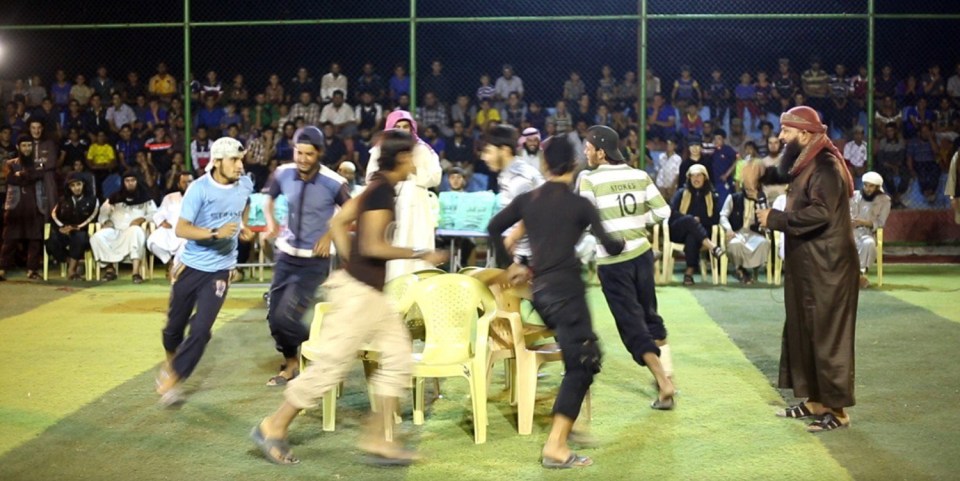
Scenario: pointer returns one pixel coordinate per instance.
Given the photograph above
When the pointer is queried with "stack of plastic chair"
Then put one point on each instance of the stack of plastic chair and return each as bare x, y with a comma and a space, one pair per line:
456, 339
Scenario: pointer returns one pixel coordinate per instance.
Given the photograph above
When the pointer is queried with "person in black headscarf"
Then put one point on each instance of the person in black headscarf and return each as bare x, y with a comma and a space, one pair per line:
24, 209
694, 210
76, 209
122, 237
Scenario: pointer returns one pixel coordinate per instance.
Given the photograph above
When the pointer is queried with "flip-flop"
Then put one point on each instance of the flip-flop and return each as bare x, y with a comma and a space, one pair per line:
796, 412
663, 405
277, 451
573, 461
280, 380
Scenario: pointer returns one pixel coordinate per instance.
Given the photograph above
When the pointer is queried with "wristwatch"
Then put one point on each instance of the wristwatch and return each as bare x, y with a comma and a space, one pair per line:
213, 233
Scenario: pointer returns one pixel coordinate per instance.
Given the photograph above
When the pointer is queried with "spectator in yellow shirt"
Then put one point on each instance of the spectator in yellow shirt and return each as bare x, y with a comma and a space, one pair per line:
163, 84
101, 158
486, 114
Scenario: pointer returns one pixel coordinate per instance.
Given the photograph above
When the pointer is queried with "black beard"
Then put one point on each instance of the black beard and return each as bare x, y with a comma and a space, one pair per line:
869, 198
531, 152
791, 152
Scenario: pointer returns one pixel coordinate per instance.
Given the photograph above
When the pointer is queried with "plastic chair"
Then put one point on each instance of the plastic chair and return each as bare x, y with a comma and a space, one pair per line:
95, 227
880, 256
722, 241
87, 257
670, 248
456, 339
309, 351
528, 357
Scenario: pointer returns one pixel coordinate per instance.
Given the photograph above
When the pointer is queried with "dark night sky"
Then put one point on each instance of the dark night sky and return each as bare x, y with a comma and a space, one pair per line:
542, 53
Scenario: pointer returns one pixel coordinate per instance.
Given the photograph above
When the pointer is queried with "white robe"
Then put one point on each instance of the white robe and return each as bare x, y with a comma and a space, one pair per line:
876, 212
163, 241
416, 214
122, 242
747, 249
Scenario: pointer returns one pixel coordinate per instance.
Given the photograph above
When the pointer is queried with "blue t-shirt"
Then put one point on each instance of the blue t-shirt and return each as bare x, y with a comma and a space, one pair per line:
210, 205
311, 203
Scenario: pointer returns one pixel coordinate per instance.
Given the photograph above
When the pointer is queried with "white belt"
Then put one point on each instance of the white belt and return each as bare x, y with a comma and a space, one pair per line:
288, 249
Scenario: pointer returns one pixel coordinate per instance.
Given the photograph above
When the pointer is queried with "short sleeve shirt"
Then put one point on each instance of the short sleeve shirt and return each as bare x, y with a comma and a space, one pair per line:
312, 203
211, 205
379, 195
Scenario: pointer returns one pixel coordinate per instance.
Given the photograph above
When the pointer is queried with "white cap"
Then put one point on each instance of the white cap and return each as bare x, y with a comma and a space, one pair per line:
873, 178
223, 148
346, 164
698, 169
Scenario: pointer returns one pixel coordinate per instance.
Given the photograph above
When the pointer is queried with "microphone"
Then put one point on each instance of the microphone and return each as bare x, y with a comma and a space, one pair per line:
761, 205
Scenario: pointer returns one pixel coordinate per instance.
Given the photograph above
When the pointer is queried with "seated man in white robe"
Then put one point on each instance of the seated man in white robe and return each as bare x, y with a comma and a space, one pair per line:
121, 237
163, 241
869, 209
747, 246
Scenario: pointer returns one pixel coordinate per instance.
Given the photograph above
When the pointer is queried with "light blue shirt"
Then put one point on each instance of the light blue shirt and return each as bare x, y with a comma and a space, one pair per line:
210, 205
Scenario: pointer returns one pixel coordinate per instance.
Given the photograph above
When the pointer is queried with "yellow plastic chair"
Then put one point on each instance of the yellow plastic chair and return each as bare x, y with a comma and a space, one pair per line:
777, 260
95, 227
501, 337
427, 273
87, 256
456, 339
722, 242
469, 270
880, 256
670, 248
309, 351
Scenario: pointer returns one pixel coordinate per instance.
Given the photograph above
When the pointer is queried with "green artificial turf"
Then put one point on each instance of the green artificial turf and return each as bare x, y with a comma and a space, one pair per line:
77, 399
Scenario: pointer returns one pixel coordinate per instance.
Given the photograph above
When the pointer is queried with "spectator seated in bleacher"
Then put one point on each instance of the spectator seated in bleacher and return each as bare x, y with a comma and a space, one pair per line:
163, 241
869, 209
76, 209
122, 237
694, 211
747, 246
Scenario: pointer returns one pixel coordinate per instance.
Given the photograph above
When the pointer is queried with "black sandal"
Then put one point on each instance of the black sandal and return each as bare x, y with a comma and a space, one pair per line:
137, 279
110, 275
688, 280
796, 412
827, 422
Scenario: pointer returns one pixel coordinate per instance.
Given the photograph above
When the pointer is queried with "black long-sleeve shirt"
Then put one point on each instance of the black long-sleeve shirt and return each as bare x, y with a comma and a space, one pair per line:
554, 219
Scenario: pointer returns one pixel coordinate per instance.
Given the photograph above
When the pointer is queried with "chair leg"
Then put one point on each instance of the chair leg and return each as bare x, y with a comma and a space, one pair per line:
418, 405
46, 264
880, 258
330, 410
478, 394
526, 397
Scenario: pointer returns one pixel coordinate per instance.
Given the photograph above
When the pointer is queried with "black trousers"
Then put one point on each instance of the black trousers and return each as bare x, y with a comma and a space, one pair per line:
74, 244
629, 290
292, 291
204, 291
562, 304
8, 254
687, 231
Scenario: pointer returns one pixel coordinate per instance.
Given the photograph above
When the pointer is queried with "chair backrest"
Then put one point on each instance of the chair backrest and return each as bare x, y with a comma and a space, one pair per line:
451, 306
427, 273
319, 310
397, 287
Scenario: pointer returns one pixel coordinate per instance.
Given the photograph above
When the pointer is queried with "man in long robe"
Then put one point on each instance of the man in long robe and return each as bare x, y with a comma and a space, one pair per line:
821, 288
163, 241
869, 209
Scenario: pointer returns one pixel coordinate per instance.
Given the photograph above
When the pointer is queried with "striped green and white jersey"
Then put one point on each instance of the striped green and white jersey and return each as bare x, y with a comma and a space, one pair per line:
628, 202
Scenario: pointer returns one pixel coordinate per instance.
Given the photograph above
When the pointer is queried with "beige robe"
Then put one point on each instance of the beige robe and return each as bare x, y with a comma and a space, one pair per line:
122, 242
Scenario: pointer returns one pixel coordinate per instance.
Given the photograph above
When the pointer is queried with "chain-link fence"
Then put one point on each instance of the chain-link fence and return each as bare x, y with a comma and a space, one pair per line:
746, 61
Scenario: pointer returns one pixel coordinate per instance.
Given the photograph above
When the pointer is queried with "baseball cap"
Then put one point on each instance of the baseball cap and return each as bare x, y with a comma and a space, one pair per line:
226, 147
309, 135
606, 139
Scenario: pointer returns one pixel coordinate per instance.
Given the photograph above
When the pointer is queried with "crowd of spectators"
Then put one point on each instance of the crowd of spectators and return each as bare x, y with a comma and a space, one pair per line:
105, 125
